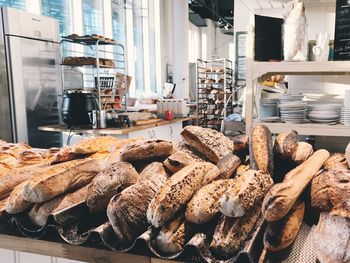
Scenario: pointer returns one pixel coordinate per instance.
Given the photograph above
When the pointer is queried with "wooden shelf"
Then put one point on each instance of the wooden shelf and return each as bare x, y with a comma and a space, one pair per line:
307, 128
300, 68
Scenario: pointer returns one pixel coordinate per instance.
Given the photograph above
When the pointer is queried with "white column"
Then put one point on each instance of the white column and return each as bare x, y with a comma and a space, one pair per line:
180, 29
33, 6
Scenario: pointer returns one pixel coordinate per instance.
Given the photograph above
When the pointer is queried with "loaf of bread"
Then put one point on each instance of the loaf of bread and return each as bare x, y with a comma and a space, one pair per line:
205, 203
39, 213
285, 144
241, 143
177, 161
196, 156
49, 184
29, 157
151, 170
16, 203
5, 168
92, 145
331, 239
254, 186
14, 148
319, 191
342, 209
172, 236
9, 159
127, 211
212, 144
231, 233
347, 154
282, 196
339, 186
242, 169
303, 151
260, 149
65, 154
146, 150
281, 234
179, 190
228, 165
108, 183
336, 161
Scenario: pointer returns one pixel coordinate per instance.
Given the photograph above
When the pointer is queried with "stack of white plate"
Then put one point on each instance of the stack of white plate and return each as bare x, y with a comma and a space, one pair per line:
345, 116
268, 110
293, 108
324, 113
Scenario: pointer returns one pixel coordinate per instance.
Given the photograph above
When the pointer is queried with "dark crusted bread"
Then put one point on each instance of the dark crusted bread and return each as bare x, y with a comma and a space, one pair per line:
177, 161
146, 150
285, 144
212, 144
241, 143
197, 156
336, 161
228, 165
151, 170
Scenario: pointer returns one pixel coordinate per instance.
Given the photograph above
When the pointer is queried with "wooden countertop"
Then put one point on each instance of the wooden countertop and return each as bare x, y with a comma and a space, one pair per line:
62, 250
111, 131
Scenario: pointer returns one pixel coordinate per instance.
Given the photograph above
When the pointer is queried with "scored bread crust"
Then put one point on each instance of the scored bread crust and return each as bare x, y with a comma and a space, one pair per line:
151, 170
285, 144
228, 165
177, 161
179, 190
303, 151
336, 161
92, 145
15, 203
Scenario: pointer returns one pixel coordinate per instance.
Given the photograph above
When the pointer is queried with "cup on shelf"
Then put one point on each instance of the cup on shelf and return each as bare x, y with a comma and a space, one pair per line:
321, 50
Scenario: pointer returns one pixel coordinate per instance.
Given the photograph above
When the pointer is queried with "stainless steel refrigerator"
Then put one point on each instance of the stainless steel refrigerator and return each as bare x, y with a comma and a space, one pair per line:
30, 77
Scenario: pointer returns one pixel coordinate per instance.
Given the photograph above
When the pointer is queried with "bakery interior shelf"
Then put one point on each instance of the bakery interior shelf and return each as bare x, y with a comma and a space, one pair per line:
307, 128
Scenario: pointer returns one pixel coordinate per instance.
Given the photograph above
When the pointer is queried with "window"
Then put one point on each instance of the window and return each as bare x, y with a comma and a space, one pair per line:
61, 10
92, 17
20, 4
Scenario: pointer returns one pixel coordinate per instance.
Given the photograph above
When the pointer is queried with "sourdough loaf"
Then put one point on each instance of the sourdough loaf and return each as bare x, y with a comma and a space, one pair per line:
172, 236
231, 233
260, 148
212, 144
336, 161
146, 150
108, 183
127, 211
179, 190
16, 203
204, 204
281, 234
347, 154
196, 156
177, 161
241, 143
151, 170
319, 191
60, 179
282, 196
39, 213
303, 151
285, 144
228, 165
254, 185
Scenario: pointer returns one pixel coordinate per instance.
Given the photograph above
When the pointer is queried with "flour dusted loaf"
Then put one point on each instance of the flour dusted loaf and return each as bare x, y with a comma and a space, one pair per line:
260, 149
205, 203
177, 161
228, 165
108, 183
153, 169
179, 190
63, 177
212, 144
15, 203
282, 196
281, 234
127, 211
231, 233
254, 185
319, 191
39, 213
303, 151
146, 150
285, 144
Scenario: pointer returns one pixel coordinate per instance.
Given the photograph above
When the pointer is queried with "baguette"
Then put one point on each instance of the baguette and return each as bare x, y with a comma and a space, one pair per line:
92, 145
282, 196
108, 183
179, 190
260, 148
281, 234
47, 185
39, 213
16, 203
204, 204
228, 165
254, 185
285, 144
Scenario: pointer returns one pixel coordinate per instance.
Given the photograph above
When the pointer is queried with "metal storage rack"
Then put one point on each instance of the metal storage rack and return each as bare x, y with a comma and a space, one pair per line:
105, 72
214, 91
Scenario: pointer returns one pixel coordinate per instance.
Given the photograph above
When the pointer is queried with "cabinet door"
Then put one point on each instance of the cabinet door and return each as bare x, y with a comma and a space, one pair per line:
23, 257
175, 130
64, 260
7, 256
145, 133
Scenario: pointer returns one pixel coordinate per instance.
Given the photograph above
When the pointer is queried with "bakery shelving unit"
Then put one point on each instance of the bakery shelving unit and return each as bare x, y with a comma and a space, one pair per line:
256, 70
214, 91
103, 65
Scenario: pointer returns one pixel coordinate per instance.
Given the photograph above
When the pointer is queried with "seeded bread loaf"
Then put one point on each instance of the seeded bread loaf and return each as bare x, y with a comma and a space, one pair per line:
212, 144
260, 148
254, 186
197, 156
282, 196
146, 150
228, 165
63, 178
127, 211
281, 234
285, 144
39, 213
303, 151
172, 236
108, 183
179, 190
231, 233
204, 205
177, 161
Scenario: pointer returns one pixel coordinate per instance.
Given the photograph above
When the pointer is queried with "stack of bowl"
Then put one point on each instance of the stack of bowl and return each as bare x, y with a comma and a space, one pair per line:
268, 109
292, 108
327, 113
